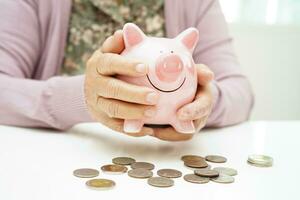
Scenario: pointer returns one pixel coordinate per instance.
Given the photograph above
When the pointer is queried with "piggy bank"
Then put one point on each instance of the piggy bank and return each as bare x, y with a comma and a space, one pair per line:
172, 74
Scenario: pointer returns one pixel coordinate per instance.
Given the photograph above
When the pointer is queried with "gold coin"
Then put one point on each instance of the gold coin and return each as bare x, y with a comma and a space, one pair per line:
223, 178
123, 161
114, 169
86, 173
206, 173
226, 170
100, 183
160, 182
143, 165
193, 178
215, 158
190, 157
198, 163
260, 160
169, 173
140, 173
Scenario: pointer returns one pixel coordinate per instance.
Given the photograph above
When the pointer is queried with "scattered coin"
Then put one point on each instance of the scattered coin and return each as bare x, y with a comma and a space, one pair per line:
140, 173
215, 158
260, 160
206, 173
226, 170
193, 178
86, 173
123, 161
144, 165
114, 169
223, 178
100, 183
198, 163
190, 157
160, 182
169, 173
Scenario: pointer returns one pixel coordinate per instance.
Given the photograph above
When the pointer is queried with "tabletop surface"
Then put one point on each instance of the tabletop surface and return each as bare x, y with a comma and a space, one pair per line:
38, 163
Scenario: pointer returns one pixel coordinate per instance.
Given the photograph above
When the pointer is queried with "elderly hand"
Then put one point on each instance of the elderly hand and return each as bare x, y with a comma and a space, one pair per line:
110, 100
198, 110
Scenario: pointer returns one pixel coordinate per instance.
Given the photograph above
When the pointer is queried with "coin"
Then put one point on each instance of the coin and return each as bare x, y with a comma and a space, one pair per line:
160, 182
114, 169
193, 178
198, 163
206, 173
123, 160
223, 178
86, 173
190, 157
226, 170
169, 173
140, 173
215, 159
260, 160
100, 183
144, 165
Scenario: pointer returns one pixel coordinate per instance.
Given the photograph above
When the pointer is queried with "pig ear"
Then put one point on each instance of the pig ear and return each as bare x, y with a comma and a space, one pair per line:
189, 38
133, 35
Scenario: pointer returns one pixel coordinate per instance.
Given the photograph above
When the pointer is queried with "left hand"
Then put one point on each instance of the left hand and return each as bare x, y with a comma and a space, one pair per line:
198, 110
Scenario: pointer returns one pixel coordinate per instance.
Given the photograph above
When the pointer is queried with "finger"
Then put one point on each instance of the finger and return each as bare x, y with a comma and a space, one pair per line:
200, 123
113, 64
169, 134
124, 110
114, 43
117, 125
200, 107
204, 74
113, 88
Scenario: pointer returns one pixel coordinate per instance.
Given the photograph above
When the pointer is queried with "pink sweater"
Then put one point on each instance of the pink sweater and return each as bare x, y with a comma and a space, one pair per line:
32, 40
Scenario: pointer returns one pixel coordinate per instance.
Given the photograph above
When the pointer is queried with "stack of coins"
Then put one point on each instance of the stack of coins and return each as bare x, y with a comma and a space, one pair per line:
260, 160
202, 171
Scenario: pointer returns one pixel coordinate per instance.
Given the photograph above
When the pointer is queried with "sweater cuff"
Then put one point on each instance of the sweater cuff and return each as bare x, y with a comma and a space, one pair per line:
66, 101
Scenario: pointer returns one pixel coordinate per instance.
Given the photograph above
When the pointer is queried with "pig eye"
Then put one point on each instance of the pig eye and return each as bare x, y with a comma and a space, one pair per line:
172, 51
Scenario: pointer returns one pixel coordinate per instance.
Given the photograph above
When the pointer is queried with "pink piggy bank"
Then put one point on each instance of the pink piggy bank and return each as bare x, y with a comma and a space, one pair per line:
172, 74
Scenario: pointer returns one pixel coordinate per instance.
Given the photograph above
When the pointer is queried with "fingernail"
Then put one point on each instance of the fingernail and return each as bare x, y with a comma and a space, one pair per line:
150, 112
131, 128
152, 98
141, 68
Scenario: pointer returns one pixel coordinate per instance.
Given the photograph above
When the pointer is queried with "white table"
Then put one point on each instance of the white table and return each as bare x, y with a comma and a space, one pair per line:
38, 164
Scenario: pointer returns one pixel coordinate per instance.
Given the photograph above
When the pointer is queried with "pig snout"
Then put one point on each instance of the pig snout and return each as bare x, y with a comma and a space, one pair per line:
168, 68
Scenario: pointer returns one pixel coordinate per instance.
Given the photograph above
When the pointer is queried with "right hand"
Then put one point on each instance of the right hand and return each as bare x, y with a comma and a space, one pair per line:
110, 100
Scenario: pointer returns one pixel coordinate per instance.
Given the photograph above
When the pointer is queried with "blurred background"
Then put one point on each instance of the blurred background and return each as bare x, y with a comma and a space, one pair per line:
267, 40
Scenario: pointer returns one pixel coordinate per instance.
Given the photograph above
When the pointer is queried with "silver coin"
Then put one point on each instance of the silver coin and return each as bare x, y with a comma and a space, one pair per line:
169, 173
206, 173
215, 159
114, 169
193, 178
143, 165
260, 160
223, 178
226, 170
160, 182
140, 173
123, 160
86, 173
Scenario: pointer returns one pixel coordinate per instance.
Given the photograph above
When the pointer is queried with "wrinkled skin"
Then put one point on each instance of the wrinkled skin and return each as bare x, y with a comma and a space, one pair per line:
110, 100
